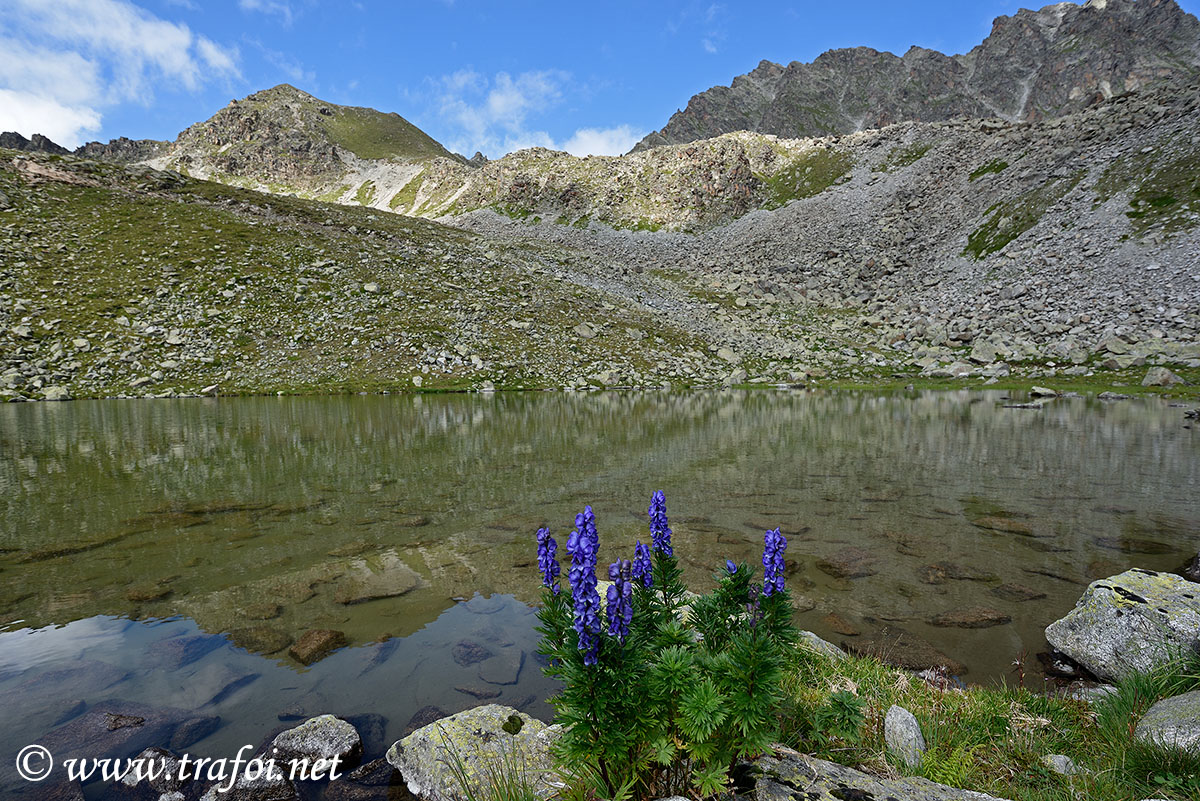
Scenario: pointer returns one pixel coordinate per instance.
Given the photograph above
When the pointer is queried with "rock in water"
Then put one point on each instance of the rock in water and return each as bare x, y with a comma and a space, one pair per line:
1191, 570
479, 738
1129, 623
1173, 722
902, 733
316, 644
974, 617
324, 737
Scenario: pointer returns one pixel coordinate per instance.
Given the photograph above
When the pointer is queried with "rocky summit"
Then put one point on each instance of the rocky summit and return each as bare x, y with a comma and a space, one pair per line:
277, 245
1034, 65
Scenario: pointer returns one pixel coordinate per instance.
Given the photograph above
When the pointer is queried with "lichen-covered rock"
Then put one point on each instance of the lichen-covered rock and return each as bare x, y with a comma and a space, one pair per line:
821, 646
902, 733
788, 775
1130, 623
480, 739
1173, 722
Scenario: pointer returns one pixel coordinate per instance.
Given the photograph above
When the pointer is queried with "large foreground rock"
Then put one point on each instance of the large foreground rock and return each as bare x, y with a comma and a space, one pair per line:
480, 739
1130, 623
789, 775
1173, 722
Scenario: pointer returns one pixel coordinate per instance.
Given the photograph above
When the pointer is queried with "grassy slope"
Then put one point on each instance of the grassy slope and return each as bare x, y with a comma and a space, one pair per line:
269, 292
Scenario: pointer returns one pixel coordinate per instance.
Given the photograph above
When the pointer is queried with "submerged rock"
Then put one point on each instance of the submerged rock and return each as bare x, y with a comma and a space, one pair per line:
316, 644
477, 739
974, 617
1129, 623
1173, 723
902, 649
850, 562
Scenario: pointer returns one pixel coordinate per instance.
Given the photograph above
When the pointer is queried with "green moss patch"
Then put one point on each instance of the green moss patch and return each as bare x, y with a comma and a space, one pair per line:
903, 156
1011, 218
807, 176
994, 166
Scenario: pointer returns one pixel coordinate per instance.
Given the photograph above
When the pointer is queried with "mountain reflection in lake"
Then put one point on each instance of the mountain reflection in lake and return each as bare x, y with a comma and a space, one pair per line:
258, 519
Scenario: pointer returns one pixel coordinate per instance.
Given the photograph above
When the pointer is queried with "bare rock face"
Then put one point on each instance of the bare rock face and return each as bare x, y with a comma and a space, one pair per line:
478, 738
35, 144
1034, 65
1130, 623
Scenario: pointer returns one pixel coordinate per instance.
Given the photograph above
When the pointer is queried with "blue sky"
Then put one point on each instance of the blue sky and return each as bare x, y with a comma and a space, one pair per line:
475, 75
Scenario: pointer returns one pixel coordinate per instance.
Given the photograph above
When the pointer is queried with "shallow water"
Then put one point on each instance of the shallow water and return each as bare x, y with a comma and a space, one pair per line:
127, 525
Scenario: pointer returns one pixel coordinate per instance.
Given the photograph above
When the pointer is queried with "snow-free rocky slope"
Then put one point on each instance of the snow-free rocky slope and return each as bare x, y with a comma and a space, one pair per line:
1064, 246
1034, 65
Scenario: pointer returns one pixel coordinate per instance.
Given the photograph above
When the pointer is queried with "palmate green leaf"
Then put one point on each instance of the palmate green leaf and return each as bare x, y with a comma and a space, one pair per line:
701, 710
710, 780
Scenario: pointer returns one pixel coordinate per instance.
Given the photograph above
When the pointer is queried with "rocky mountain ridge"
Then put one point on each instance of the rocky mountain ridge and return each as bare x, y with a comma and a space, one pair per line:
1034, 65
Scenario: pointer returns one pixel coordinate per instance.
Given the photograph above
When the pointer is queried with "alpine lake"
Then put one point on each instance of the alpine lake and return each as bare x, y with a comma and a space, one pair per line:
170, 553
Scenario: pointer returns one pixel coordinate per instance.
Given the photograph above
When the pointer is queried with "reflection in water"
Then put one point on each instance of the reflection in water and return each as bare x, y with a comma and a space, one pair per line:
481, 649
263, 518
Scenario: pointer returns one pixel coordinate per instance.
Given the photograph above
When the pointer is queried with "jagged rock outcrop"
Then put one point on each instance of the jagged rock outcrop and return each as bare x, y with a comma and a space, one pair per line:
1034, 65
123, 149
35, 144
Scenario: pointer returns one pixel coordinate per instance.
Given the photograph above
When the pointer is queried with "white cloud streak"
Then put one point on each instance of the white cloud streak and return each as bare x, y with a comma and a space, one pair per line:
494, 115
63, 62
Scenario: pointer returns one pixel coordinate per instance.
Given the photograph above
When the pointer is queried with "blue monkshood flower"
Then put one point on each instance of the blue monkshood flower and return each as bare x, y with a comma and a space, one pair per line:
660, 534
730, 566
642, 569
547, 561
774, 544
582, 545
620, 600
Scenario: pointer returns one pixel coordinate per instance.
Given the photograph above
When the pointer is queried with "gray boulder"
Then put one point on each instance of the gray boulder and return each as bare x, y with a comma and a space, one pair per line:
787, 775
1061, 764
479, 739
1130, 623
821, 646
1173, 722
902, 733
321, 738
1161, 377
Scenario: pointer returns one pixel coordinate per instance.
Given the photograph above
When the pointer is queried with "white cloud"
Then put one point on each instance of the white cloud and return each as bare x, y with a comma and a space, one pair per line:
282, 9
495, 115
492, 114
62, 63
29, 114
602, 141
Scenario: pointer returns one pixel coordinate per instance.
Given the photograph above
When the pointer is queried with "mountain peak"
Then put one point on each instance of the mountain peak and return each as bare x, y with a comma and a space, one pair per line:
1034, 65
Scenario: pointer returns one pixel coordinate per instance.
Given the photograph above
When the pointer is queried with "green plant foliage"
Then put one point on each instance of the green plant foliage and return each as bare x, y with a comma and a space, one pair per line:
840, 719
672, 708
